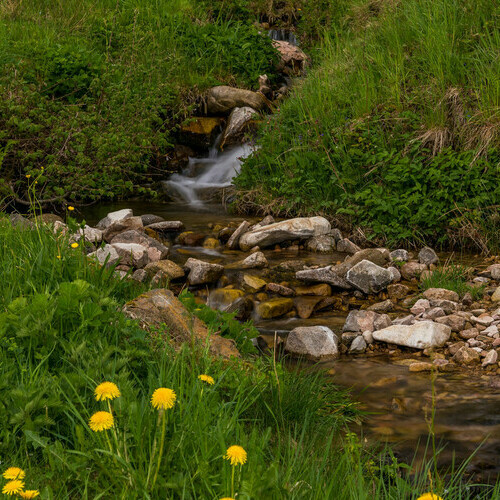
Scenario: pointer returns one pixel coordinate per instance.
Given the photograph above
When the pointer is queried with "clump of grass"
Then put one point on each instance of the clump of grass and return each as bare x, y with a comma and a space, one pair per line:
453, 277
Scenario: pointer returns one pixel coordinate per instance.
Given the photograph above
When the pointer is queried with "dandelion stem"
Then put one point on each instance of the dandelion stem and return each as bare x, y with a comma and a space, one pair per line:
153, 453
232, 481
162, 442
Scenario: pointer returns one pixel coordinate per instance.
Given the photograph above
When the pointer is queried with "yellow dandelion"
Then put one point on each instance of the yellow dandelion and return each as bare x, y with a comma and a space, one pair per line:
14, 473
13, 487
29, 493
227, 498
70, 208
429, 496
236, 455
163, 398
101, 421
106, 390
58, 256
74, 245
28, 176
207, 378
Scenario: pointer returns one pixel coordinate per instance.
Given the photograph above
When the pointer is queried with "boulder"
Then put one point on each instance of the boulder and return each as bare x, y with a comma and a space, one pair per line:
347, 246
358, 345
112, 217
148, 219
466, 356
18, 221
395, 274
159, 308
91, 234
428, 256
167, 269
132, 254
223, 99
274, 308
287, 230
360, 321
107, 255
166, 226
201, 272
130, 223
155, 250
236, 123
306, 305
293, 60
399, 255
321, 244
368, 277
420, 306
315, 342
454, 321
382, 307
491, 358
421, 335
234, 239
255, 260
412, 270
323, 275
440, 294
284, 291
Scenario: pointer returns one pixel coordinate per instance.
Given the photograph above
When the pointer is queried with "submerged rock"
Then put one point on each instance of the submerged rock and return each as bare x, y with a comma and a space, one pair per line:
274, 308
421, 335
315, 342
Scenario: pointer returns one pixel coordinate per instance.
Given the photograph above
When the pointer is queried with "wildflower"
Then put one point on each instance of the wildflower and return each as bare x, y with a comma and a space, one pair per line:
58, 256
207, 378
13, 487
163, 398
101, 421
227, 498
29, 493
70, 208
14, 473
28, 176
74, 245
106, 390
429, 496
236, 455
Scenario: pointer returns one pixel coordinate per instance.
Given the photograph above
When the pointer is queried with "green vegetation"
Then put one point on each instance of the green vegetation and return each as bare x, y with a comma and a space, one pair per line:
62, 334
396, 129
453, 277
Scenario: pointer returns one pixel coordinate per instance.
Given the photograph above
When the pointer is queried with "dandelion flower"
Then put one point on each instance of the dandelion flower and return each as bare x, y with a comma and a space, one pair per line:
13, 487
236, 455
58, 256
74, 245
14, 473
70, 208
227, 498
207, 378
106, 390
163, 398
28, 176
429, 496
29, 493
101, 421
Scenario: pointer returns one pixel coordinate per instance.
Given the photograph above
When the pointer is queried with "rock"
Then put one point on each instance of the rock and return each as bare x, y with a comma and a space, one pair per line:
242, 308
382, 307
368, 336
254, 282
421, 366
405, 320
288, 230
494, 271
266, 221
50, 218
255, 260
381, 321
428, 256
455, 347
447, 305
223, 297
347, 246
420, 306
166, 268
323, 275
166, 226
293, 59
360, 321
107, 255
201, 272
399, 255
321, 244
132, 254
483, 320
397, 291
211, 243
396, 275
306, 305
61, 227
322, 290
191, 239
329, 303
223, 99
455, 322
280, 290
315, 342
496, 295
466, 356
236, 123
148, 219
114, 217
199, 132
155, 250
491, 358
433, 313
368, 277
159, 308
130, 223
470, 333
234, 240
441, 294
17, 220
358, 345
421, 335
412, 270
140, 275
274, 308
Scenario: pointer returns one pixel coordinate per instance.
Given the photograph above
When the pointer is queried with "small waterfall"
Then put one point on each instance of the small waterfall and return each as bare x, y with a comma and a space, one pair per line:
283, 36
204, 176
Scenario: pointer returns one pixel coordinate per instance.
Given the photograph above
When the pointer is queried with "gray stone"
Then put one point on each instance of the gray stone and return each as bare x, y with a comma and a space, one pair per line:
381, 321
466, 356
156, 250
428, 256
223, 99
368, 336
167, 226
382, 307
404, 320
234, 239
203, 272
236, 123
433, 313
347, 246
358, 345
166, 270
107, 255
454, 321
491, 358
360, 321
412, 270
148, 219
336, 234
421, 335
396, 275
113, 217
130, 223
323, 275
132, 254
399, 255
91, 234
255, 260
140, 275
314, 342
368, 277
321, 244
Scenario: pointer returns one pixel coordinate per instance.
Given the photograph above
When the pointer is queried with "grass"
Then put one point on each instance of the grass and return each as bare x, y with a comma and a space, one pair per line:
62, 334
395, 129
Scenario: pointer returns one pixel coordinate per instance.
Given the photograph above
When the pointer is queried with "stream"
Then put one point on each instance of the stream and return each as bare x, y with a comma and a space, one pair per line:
396, 401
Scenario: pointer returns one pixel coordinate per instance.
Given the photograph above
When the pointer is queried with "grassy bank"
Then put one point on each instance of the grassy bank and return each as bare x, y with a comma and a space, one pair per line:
62, 334
396, 129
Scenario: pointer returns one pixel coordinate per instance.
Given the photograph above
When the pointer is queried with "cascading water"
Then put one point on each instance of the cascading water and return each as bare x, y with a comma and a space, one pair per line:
204, 176
283, 36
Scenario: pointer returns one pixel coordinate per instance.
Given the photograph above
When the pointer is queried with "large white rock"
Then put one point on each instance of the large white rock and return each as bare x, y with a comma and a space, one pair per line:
313, 342
132, 254
421, 335
368, 277
292, 229
113, 217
